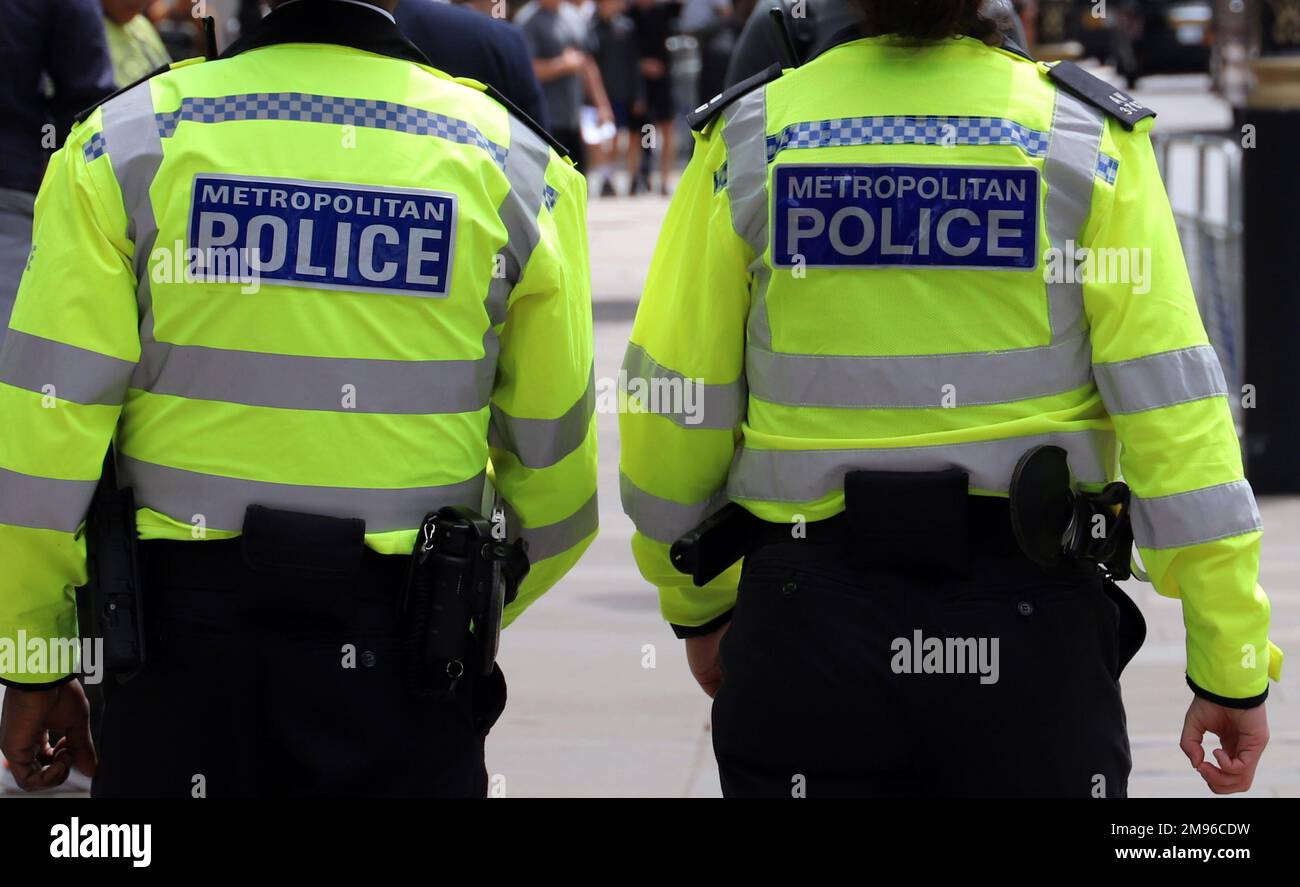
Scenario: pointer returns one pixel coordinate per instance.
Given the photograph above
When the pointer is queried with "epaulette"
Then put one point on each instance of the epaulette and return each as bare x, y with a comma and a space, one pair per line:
701, 116
1095, 91
491, 92
82, 115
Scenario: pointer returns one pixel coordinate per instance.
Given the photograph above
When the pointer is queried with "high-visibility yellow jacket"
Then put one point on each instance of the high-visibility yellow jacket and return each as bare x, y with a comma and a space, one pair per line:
421, 318
866, 266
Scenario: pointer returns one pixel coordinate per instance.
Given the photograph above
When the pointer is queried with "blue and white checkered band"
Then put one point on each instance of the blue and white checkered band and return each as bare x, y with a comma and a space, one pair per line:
364, 113
900, 130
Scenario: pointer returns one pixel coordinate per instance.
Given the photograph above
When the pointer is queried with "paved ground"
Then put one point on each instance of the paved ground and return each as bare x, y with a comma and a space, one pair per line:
601, 700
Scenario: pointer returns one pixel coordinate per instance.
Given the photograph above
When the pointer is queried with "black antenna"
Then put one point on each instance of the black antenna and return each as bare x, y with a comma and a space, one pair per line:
209, 37
787, 39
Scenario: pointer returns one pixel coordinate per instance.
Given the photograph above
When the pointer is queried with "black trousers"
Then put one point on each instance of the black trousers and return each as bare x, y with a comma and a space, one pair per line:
264, 686
821, 696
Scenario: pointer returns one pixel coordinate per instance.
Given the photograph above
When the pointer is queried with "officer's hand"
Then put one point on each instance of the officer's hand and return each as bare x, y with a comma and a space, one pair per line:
28, 717
702, 655
1243, 733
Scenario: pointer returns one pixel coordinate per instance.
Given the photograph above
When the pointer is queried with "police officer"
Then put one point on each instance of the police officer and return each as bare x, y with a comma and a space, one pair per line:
883, 273
312, 291
814, 25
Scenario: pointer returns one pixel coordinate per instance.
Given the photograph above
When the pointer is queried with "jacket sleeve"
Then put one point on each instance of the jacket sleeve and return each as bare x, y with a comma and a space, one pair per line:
684, 383
1194, 515
543, 428
67, 358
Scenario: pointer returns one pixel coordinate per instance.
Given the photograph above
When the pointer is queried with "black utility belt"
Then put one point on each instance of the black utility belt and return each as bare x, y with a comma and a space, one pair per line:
450, 592
987, 527
927, 522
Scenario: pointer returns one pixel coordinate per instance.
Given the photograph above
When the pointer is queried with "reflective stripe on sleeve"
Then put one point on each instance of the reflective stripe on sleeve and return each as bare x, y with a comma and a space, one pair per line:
552, 539
542, 442
64, 371
43, 503
664, 520
1160, 380
1196, 516
716, 406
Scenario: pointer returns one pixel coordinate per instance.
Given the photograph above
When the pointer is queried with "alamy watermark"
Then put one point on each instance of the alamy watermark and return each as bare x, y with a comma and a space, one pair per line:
210, 264
1083, 264
661, 395
53, 656
932, 655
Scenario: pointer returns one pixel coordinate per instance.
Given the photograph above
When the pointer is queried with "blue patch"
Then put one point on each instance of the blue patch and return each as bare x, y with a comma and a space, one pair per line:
860, 216
356, 238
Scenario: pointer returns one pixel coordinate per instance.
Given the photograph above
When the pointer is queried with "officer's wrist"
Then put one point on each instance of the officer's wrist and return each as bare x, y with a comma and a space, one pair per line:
698, 631
30, 687
1228, 701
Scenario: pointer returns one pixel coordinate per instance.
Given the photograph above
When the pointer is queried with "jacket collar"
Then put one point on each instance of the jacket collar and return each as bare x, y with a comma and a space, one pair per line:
852, 32
330, 21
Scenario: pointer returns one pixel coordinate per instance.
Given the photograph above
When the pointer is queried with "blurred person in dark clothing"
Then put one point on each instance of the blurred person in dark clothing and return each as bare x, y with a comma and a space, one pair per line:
466, 43
717, 39
557, 37
654, 25
614, 45
55, 58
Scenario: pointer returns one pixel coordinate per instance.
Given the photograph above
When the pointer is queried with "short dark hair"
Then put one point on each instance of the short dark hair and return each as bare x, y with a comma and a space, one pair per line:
927, 19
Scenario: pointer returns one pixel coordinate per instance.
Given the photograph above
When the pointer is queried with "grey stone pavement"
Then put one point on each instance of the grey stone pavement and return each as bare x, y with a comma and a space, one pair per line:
588, 716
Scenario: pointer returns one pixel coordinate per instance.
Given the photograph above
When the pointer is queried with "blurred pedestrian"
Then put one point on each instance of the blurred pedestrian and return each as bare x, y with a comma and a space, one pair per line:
716, 29
557, 36
55, 58
133, 41
654, 25
614, 45
465, 42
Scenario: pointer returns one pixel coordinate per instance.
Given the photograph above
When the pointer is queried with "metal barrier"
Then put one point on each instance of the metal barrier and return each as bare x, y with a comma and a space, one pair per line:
1202, 173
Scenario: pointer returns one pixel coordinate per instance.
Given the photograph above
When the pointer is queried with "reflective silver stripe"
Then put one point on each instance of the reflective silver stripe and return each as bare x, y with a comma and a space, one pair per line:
744, 132
557, 538
525, 169
182, 494
135, 151
720, 406
294, 382
542, 442
807, 475
73, 374
1068, 172
1196, 516
43, 503
1160, 380
664, 520
914, 381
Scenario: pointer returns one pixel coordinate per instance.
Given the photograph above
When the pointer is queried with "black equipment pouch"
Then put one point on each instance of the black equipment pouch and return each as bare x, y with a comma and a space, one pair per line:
1054, 523
292, 544
458, 583
715, 544
113, 564
912, 521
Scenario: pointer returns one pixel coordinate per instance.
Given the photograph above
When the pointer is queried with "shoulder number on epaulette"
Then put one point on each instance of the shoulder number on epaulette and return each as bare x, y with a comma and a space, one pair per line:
701, 116
1095, 91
